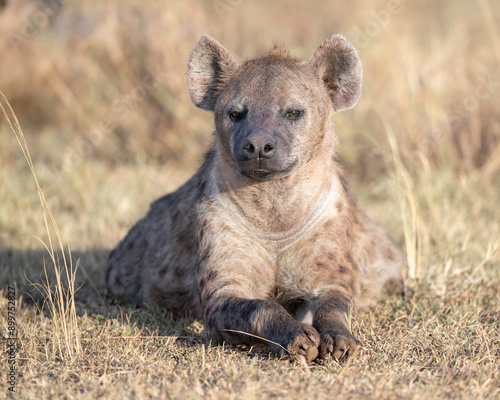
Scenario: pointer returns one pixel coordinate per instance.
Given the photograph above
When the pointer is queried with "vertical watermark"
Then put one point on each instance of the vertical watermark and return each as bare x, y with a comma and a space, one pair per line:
11, 340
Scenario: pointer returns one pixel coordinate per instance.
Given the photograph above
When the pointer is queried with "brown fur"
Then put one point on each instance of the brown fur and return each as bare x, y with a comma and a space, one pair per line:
273, 246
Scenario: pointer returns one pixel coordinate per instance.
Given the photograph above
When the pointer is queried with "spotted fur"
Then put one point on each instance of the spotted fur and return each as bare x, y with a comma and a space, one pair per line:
273, 247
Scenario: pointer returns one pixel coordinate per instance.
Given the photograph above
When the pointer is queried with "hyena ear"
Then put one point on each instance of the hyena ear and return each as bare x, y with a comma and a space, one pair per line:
337, 63
209, 68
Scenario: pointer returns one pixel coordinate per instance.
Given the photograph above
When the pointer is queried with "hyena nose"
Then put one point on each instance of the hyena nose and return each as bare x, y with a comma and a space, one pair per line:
259, 145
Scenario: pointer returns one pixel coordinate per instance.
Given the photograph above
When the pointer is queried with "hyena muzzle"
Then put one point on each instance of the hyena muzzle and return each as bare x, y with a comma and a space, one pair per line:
265, 240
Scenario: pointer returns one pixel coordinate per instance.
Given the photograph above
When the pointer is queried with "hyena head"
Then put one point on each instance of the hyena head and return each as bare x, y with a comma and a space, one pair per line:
271, 113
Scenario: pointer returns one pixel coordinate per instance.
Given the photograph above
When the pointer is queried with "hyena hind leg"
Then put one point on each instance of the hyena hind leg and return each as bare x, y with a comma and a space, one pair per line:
123, 277
380, 264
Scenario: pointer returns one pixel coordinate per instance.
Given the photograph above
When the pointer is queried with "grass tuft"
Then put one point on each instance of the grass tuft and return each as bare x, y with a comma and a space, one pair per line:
59, 297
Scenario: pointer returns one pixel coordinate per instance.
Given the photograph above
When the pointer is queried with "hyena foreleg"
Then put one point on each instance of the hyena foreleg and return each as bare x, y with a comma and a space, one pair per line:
225, 317
331, 321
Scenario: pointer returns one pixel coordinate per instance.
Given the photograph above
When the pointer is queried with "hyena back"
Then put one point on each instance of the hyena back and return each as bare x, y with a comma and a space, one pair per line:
265, 238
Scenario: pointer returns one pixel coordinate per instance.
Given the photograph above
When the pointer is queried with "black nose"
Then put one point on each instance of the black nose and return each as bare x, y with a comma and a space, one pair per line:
259, 145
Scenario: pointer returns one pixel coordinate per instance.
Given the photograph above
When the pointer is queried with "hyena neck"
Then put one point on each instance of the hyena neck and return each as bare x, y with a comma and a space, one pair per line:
280, 207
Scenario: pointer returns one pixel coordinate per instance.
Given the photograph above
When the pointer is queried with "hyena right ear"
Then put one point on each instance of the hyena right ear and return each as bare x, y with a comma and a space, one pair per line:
337, 64
209, 67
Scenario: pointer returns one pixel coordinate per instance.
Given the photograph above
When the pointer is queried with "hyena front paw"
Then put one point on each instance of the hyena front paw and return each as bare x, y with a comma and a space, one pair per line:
300, 341
338, 345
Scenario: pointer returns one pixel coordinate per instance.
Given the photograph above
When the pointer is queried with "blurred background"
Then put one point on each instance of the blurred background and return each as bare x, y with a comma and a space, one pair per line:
100, 91
108, 80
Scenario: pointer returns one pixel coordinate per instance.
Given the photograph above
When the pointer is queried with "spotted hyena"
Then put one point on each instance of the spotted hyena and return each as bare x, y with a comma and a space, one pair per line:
265, 238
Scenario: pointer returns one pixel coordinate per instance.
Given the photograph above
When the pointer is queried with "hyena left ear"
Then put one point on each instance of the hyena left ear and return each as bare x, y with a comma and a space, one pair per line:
209, 68
337, 63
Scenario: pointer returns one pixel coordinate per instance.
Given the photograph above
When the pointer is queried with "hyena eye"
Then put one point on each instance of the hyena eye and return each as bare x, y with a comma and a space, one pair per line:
293, 114
236, 116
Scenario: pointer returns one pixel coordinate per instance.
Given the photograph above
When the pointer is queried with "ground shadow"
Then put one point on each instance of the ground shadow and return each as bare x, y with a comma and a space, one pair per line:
24, 269
28, 268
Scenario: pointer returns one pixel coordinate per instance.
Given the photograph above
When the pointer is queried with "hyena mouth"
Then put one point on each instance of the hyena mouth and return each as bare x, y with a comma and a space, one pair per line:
259, 174
265, 174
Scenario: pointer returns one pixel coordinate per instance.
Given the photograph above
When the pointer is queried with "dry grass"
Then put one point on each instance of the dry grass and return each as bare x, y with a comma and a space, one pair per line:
60, 297
101, 95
